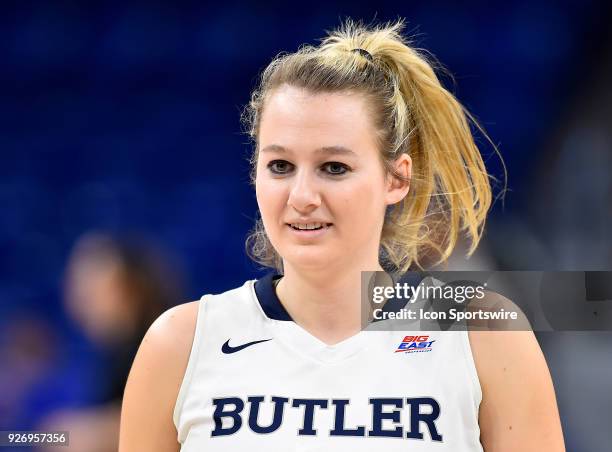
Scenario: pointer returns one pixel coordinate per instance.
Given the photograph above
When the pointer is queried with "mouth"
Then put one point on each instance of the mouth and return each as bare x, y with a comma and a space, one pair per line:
309, 230
309, 226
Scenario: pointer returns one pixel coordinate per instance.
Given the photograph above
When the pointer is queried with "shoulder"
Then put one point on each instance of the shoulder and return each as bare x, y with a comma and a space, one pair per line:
174, 329
518, 409
168, 341
155, 379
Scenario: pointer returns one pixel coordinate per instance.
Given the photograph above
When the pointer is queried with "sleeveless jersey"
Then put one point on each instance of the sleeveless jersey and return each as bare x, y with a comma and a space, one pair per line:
257, 381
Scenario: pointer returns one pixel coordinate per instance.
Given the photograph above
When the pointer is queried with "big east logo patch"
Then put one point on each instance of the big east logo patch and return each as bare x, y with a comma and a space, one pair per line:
411, 344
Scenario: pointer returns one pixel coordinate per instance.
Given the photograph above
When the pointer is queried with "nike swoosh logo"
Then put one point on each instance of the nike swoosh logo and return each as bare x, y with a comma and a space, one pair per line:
227, 348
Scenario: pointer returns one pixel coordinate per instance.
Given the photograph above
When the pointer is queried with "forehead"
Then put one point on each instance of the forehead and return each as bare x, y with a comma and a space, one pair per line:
299, 119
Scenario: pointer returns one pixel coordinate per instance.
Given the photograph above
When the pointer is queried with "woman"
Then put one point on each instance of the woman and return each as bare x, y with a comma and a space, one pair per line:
363, 162
115, 287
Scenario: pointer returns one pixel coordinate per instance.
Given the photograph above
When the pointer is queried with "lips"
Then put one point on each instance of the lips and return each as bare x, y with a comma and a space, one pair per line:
311, 230
312, 226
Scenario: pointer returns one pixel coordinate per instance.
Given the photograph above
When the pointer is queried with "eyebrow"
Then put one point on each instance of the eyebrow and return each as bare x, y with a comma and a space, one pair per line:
326, 150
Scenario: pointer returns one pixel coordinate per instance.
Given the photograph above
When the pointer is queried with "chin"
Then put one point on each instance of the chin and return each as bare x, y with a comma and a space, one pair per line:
307, 259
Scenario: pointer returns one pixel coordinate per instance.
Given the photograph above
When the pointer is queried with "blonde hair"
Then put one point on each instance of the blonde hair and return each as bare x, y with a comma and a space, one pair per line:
413, 113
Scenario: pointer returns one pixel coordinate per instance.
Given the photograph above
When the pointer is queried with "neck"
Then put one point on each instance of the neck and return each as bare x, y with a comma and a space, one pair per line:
324, 302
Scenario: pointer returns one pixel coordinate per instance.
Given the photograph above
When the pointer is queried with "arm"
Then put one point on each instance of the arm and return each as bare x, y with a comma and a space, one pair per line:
154, 381
518, 409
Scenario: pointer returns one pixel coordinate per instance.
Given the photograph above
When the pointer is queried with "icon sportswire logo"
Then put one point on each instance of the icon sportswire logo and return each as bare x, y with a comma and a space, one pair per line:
228, 349
413, 344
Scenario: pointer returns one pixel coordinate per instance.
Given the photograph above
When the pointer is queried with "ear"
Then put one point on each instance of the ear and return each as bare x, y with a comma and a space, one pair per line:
397, 189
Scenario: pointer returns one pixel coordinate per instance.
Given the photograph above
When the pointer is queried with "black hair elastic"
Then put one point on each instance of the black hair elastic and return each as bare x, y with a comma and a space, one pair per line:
364, 53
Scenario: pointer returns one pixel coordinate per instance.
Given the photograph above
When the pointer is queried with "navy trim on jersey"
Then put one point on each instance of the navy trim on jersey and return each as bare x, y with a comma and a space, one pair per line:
274, 309
266, 294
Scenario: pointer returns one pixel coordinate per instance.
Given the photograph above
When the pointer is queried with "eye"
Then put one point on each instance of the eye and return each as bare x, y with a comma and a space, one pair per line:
280, 166
336, 168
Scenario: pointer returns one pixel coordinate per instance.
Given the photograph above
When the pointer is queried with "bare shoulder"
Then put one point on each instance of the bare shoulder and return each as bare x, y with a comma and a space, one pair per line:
174, 329
519, 408
155, 380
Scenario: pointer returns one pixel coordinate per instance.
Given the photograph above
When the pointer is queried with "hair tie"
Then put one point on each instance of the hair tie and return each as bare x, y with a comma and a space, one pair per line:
364, 53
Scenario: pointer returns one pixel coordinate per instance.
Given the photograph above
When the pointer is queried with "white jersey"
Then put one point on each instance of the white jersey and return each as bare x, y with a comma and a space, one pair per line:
257, 381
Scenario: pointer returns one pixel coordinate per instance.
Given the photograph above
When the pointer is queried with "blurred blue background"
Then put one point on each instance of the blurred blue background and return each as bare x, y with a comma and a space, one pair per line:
123, 118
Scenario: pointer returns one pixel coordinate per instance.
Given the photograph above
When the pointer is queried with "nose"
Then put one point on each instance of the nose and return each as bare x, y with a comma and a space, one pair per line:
304, 195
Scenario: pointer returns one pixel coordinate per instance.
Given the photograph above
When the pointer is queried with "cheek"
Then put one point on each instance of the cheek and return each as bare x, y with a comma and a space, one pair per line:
360, 199
271, 197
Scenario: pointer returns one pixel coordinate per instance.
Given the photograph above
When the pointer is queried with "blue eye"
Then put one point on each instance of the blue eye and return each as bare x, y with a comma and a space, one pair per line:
336, 168
279, 166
